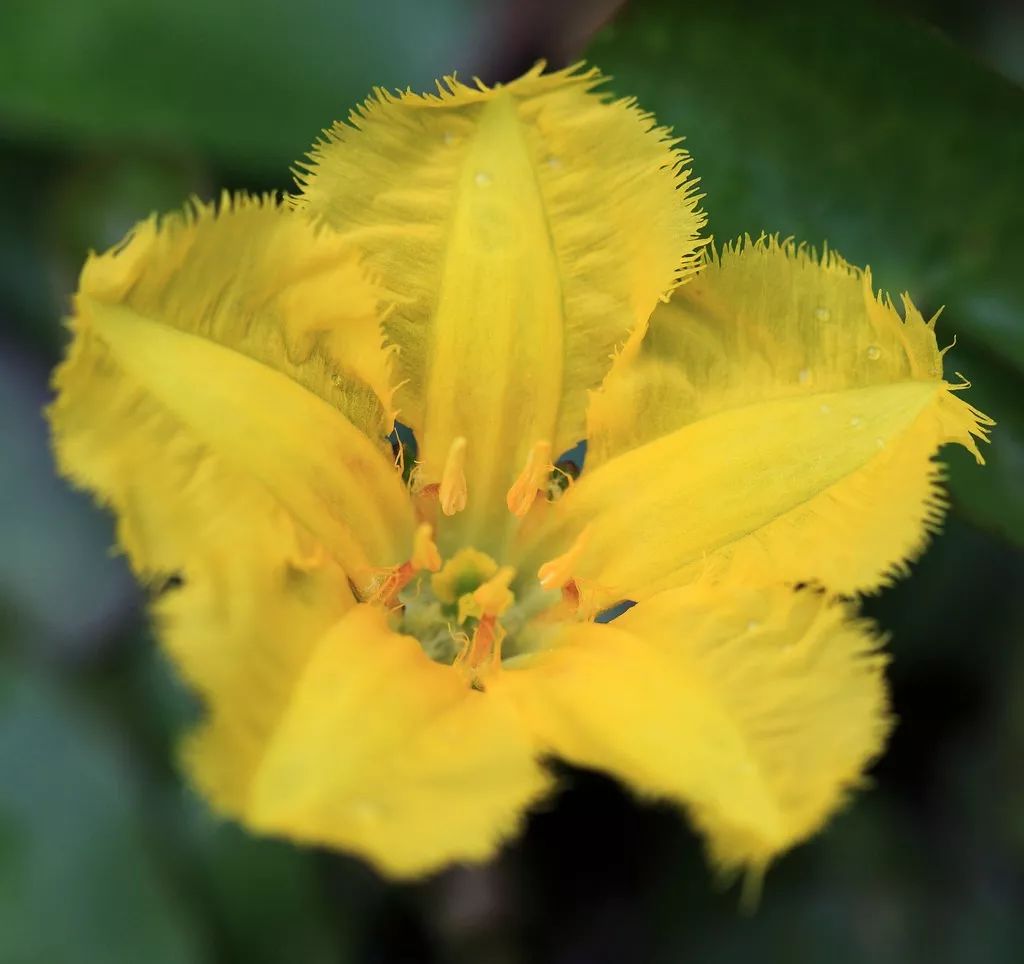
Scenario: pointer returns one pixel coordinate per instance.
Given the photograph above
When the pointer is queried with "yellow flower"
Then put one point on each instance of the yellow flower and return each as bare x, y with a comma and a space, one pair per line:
387, 656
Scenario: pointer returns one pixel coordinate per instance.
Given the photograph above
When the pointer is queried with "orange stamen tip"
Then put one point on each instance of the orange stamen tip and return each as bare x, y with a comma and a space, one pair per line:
571, 594
424, 549
452, 491
531, 480
559, 570
393, 582
483, 654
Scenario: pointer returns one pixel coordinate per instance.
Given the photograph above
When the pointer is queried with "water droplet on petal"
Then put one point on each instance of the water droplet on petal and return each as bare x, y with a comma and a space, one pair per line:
554, 162
880, 442
874, 352
448, 137
825, 409
753, 624
482, 179
804, 376
336, 380
822, 313
856, 421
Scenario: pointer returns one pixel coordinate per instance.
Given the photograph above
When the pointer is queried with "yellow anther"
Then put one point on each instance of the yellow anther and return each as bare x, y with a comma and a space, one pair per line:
452, 493
560, 570
494, 596
531, 480
424, 549
489, 598
390, 582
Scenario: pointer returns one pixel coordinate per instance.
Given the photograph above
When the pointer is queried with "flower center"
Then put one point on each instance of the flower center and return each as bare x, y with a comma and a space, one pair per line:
456, 612
467, 611
464, 611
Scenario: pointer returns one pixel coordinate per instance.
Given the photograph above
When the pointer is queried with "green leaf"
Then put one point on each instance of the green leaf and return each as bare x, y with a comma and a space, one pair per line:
78, 884
844, 124
266, 895
57, 575
250, 83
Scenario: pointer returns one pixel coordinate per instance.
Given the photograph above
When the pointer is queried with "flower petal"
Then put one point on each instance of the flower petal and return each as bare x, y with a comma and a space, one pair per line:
780, 422
349, 736
757, 711
240, 630
227, 352
524, 232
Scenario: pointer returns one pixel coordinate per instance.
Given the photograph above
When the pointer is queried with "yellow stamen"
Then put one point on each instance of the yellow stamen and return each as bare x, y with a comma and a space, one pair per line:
424, 556
483, 654
494, 596
485, 603
386, 589
531, 480
558, 571
452, 493
491, 598
424, 549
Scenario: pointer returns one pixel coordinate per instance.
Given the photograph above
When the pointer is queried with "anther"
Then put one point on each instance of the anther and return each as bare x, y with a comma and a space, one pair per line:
490, 598
424, 549
494, 596
487, 602
452, 492
424, 556
531, 480
558, 571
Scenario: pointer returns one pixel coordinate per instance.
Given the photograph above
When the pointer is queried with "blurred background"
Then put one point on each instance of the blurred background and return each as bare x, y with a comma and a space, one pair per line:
895, 132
